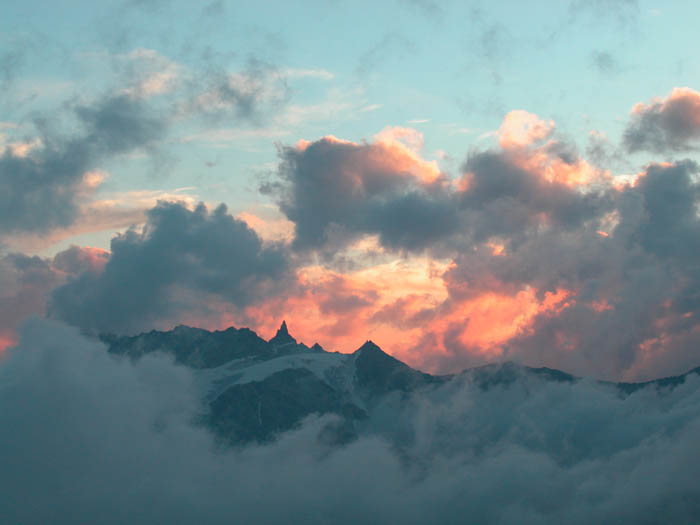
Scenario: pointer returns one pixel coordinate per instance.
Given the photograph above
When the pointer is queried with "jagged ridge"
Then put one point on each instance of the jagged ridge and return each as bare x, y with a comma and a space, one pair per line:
255, 389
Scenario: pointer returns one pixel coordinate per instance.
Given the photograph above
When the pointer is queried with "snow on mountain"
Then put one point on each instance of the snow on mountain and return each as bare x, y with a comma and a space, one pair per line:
254, 390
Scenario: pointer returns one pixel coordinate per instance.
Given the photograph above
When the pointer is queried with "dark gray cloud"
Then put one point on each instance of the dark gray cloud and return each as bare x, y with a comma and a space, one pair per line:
169, 268
665, 126
670, 227
626, 255
505, 199
26, 283
335, 191
90, 438
44, 189
635, 308
41, 190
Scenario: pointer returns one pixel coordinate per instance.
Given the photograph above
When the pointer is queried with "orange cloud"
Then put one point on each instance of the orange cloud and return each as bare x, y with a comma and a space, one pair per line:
267, 227
523, 135
682, 102
395, 304
5, 343
521, 128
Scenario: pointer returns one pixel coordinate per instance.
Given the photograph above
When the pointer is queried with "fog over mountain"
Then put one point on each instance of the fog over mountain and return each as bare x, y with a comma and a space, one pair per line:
213, 427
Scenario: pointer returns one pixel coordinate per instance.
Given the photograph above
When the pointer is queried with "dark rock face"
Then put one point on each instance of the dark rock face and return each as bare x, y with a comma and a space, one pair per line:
663, 383
200, 349
259, 410
282, 336
379, 373
504, 374
192, 347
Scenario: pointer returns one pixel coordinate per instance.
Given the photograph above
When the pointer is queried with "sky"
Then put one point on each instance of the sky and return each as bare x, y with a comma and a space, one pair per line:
460, 182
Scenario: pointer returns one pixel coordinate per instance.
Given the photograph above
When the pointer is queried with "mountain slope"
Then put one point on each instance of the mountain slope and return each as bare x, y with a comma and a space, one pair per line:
255, 390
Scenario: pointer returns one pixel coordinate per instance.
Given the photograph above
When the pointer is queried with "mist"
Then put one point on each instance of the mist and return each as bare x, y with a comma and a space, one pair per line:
88, 438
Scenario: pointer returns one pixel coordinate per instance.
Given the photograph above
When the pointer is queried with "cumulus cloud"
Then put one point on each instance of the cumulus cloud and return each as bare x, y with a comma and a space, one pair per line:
665, 125
506, 196
335, 190
551, 260
90, 438
631, 306
180, 258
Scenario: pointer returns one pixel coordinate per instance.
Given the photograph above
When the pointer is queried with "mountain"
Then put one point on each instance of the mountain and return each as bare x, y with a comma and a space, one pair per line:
253, 390
201, 349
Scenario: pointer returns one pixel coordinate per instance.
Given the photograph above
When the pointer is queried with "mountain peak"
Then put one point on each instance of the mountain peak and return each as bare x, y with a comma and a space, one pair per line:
369, 346
282, 336
380, 373
283, 328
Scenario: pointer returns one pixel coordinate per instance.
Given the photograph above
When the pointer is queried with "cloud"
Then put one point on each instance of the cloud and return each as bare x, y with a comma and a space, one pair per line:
665, 125
41, 188
91, 438
506, 197
26, 283
631, 308
546, 259
179, 259
521, 128
335, 190
249, 94
149, 73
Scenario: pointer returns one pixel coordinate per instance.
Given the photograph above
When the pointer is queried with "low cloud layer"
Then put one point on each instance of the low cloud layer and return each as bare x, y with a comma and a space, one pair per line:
90, 438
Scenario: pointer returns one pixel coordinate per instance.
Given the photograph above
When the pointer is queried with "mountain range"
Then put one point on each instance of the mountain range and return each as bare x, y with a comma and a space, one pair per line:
253, 390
